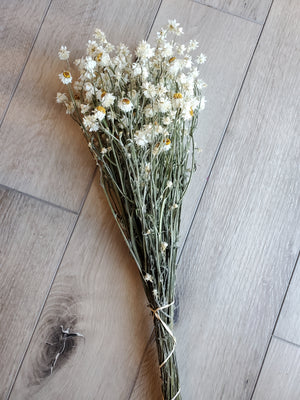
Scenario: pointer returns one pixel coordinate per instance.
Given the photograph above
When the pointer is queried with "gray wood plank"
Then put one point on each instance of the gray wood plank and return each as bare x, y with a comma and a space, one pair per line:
98, 293
244, 241
279, 378
43, 152
255, 10
228, 43
288, 325
32, 239
19, 23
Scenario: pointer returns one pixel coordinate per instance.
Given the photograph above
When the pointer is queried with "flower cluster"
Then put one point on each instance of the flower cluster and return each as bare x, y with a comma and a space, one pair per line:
138, 112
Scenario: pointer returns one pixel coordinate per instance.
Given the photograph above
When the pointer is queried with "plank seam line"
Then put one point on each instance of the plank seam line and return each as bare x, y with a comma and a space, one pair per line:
154, 19
286, 341
50, 286
24, 65
229, 13
49, 203
274, 328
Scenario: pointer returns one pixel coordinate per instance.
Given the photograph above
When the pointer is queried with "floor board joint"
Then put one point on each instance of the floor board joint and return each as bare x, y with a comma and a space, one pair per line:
50, 287
24, 65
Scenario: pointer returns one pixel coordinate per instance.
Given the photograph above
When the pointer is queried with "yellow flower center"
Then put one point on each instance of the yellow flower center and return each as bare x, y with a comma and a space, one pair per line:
177, 96
172, 59
99, 56
66, 74
191, 112
126, 101
167, 141
103, 94
101, 109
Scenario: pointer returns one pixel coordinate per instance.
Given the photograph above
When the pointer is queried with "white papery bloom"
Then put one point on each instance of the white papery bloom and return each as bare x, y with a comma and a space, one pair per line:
181, 49
137, 69
85, 108
100, 36
100, 113
165, 49
61, 98
201, 59
125, 105
166, 121
148, 110
193, 44
90, 122
175, 27
108, 100
90, 64
174, 67
65, 77
144, 50
164, 105
141, 138
169, 184
163, 246
149, 90
63, 53
92, 48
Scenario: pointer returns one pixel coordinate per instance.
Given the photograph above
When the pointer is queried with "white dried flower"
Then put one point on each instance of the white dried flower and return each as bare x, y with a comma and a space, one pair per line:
108, 100
148, 278
63, 53
141, 138
100, 113
125, 105
169, 184
201, 59
193, 44
163, 246
100, 36
65, 77
175, 27
61, 98
144, 50
90, 122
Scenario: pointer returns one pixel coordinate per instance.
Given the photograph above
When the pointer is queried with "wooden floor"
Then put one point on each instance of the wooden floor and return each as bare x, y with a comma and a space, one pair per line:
64, 264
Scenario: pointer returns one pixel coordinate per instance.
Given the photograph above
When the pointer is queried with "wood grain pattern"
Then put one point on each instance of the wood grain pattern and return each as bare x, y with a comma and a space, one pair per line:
32, 237
98, 293
244, 241
228, 43
19, 23
279, 378
288, 325
255, 10
43, 152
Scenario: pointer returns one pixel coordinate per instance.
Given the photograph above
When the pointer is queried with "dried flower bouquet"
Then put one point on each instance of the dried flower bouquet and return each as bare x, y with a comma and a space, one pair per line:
138, 117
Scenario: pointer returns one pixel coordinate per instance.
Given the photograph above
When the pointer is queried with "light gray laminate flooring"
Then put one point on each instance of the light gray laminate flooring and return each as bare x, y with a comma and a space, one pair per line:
63, 262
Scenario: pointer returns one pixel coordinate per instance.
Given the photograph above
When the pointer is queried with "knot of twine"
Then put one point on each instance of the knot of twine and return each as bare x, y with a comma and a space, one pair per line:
167, 328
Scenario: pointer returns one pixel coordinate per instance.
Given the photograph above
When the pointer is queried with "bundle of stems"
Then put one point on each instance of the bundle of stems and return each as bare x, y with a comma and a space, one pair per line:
138, 118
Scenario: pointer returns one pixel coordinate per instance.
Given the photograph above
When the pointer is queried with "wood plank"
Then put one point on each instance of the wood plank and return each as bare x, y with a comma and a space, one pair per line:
43, 152
19, 23
288, 325
255, 10
279, 378
244, 241
228, 43
32, 237
98, 293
